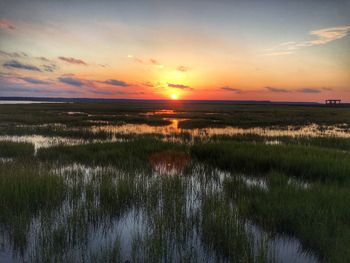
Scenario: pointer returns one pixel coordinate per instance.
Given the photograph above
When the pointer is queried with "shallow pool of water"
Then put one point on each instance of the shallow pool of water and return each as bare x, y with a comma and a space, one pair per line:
25, 102
312, 130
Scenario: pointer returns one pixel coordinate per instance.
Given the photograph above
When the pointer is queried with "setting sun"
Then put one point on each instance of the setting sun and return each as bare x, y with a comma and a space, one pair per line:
174, 96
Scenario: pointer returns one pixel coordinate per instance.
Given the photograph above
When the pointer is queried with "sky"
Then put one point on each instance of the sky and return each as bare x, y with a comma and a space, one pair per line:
274, 50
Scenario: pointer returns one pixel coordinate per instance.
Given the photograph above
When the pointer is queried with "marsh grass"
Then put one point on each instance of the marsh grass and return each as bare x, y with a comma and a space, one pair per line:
182, 217
54, 131
70, 203
318, 216
309, 163
168, 222
26, 191
129, 155
10, 149
118, 195
60, 113
322, 142
220, 114
223, 232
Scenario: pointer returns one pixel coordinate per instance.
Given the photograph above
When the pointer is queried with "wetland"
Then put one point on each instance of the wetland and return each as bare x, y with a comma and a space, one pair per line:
174, 182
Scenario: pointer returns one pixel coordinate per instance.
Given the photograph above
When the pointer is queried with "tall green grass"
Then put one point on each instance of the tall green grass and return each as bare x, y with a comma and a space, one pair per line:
225, 233
26, 190
322, 142
132, 154
10, 149
116, 195
311, 163
318, 216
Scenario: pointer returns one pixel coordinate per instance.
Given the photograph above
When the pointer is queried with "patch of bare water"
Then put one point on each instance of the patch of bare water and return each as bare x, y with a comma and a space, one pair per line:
312, 130
160, 112
25, 102
254, 182
76, 113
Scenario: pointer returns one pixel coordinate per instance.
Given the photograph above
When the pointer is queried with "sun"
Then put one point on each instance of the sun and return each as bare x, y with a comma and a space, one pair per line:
174, 96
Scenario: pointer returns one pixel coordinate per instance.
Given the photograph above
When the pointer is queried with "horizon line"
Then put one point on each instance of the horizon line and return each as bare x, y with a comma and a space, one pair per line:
77, 99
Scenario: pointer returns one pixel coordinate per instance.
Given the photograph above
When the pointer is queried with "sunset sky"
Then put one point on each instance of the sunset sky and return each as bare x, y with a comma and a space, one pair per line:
219, 50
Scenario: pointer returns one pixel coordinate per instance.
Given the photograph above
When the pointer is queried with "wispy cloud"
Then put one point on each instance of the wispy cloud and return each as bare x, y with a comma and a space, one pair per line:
326, 35
73, 60
182, 68
49, 67
18, 90
278, 53
322, 37
277, 90
115, 82
33, 80
136, 59
105, 92
300, 90
13, 54
12, 84
234, 90
5, 24
309, 90
14, 64
155, 63
71, 81
44, 59
14, 78
148, 84
151, 61
90, 84
178, 86
114, 92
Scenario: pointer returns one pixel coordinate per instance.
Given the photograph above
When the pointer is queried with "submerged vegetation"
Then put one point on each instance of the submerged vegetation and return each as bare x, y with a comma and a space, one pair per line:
151, 197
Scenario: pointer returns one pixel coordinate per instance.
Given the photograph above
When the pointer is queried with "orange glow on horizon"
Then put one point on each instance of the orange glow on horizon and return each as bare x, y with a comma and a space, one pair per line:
174, 96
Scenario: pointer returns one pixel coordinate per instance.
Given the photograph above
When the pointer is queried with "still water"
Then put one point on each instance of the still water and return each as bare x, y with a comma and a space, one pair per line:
311, 130
25, 102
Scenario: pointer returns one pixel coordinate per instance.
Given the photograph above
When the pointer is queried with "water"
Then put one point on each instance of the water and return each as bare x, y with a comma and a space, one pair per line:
311, 130
186, 183
25, 102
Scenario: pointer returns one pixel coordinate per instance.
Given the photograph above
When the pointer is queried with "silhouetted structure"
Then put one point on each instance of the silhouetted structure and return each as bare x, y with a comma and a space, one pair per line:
333, 102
